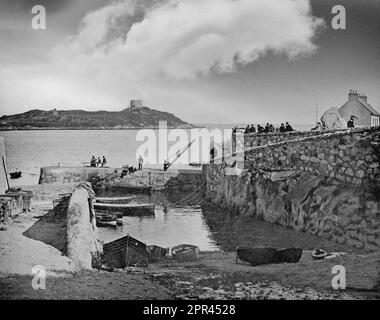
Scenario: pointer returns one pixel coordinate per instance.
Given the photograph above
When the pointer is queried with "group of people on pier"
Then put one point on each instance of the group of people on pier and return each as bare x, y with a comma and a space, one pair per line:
267, 128
97, 162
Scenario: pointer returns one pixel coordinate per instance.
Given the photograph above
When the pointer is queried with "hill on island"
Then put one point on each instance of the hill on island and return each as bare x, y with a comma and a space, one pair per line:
129, 118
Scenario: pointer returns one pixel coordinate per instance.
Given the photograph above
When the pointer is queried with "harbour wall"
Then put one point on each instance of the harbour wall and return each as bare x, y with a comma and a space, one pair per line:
350, 156
260, 139
62, 175
145, 180
325, 184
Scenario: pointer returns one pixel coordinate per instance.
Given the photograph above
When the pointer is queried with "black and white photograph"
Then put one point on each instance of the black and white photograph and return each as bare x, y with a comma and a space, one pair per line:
188, 156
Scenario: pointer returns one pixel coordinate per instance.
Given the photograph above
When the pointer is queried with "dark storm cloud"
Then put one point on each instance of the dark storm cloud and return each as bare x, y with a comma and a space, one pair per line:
15, 6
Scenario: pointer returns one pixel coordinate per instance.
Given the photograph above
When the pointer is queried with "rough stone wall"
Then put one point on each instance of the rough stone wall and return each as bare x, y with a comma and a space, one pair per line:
72, 174
83, 246
350, 156
9, 207
345, 213
260, 139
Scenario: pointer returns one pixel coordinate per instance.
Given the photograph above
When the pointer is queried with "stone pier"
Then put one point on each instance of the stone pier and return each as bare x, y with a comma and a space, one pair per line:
145, 180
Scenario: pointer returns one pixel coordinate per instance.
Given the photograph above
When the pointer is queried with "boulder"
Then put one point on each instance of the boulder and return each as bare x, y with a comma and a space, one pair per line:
83, 246
331, 119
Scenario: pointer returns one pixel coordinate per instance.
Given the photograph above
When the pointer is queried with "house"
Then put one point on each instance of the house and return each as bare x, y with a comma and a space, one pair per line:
358, 106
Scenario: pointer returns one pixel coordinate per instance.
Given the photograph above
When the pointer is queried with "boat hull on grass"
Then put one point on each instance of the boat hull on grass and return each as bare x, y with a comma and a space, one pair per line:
262, 256
126, 251
127, 209
185, 252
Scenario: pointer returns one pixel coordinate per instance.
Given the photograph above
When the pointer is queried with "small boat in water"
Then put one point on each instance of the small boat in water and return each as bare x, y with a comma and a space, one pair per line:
15, 174
115, 199
106, 224
261, 256
127, 209
106, 217
185, 252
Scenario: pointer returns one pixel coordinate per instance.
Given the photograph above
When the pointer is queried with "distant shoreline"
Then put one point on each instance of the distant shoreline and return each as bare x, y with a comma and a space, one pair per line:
101, 128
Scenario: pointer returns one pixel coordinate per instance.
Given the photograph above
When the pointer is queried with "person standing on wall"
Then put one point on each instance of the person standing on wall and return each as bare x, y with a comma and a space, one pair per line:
141, 161
351, 122
104, 163
93, 161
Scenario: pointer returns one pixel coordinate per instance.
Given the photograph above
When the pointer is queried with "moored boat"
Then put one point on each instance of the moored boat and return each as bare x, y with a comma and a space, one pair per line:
106, 217
185, 252
126, 209
106, 224
114, 199
15, 175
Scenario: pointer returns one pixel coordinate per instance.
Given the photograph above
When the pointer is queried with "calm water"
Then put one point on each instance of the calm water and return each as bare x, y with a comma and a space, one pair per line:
30, 150
171, 225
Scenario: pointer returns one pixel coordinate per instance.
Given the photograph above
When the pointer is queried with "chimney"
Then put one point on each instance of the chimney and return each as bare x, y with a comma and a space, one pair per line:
353, 95
363, 97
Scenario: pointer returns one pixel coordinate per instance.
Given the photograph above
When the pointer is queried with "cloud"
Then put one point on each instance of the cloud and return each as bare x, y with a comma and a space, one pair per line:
174, 39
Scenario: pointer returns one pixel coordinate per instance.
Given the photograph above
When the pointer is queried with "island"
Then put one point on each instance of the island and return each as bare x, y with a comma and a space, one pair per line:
136, 116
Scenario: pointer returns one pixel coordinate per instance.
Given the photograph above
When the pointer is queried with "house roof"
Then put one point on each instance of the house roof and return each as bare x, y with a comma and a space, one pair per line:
369, 107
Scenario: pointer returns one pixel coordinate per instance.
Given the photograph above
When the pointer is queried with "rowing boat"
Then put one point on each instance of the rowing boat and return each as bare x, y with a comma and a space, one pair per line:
106, 217
115, 199
126, 251
261, 256
185, 252
127, 209
106, 224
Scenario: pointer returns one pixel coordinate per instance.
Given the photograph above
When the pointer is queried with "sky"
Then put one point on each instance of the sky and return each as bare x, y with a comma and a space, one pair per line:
206, 61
